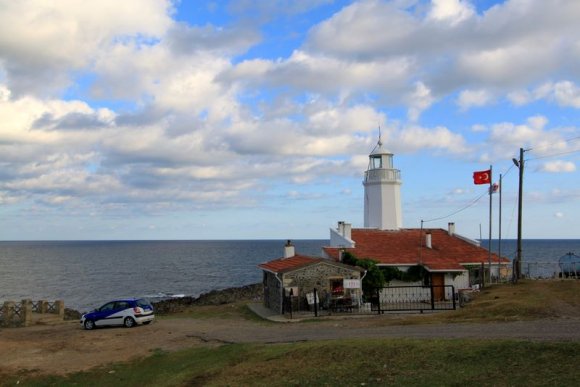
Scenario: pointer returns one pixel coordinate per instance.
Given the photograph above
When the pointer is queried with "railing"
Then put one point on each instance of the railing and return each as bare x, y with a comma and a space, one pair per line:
382, 174
20, 313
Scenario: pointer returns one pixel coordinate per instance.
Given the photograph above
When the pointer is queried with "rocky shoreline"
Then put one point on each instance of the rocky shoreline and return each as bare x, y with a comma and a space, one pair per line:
253, 292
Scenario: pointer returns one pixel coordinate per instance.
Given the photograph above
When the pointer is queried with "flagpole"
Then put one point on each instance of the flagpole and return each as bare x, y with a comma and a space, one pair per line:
490, 206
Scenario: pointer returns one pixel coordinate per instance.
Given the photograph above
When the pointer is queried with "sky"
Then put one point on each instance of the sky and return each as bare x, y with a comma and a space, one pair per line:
160, 119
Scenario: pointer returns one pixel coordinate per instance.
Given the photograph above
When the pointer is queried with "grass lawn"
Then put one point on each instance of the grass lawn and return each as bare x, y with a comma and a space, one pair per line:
344, 362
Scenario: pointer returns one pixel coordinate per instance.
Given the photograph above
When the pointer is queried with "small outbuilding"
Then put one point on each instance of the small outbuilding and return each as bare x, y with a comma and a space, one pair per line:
297, 277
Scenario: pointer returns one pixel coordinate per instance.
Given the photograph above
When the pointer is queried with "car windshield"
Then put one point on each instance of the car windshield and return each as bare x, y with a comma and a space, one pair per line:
143, 303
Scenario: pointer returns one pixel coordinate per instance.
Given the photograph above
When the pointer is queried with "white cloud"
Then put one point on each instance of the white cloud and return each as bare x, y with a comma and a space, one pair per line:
4, 93
567, 94
419, 100
520, 97
512, 45
474, 98
558, 166
42, 42
559, 215
564, 93
450, 11
534, 134
438, 138
360, 30
308, 72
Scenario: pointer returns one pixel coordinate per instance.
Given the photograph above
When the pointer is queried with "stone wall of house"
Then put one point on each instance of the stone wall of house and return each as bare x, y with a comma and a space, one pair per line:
318, 276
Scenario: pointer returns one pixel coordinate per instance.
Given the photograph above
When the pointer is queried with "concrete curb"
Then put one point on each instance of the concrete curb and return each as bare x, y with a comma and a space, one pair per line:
265, 313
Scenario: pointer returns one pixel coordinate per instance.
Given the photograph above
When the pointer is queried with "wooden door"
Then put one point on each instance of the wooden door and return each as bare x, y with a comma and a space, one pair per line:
438, 280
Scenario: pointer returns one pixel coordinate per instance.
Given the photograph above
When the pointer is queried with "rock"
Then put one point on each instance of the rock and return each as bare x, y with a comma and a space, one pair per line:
71, 314
252, 292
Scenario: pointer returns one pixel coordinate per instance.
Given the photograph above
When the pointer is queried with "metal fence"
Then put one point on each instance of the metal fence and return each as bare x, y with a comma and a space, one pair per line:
382, 300
545, 270
415, 298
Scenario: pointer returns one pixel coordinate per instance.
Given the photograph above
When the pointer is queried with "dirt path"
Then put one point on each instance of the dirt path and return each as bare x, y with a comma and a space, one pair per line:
66, 348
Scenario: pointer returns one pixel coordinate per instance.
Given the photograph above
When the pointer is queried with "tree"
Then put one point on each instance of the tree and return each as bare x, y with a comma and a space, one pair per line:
374, 277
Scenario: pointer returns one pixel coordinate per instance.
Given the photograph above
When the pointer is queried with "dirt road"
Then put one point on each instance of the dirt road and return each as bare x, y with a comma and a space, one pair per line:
66, 348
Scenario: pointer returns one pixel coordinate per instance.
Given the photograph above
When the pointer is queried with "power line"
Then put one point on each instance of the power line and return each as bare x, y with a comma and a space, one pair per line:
472, 203
553, 155
458, 211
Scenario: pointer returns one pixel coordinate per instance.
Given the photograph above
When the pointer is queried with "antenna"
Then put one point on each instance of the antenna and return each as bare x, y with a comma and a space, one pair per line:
380, 141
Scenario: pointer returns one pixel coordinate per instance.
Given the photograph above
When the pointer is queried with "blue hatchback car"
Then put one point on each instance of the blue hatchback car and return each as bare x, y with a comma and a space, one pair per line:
126, 312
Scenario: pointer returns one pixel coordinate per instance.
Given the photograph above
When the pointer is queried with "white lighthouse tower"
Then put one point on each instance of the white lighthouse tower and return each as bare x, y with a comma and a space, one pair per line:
382, 191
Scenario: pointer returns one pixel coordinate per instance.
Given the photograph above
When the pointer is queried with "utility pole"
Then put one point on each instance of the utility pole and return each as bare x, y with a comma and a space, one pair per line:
518, 263
499, 231
490, 222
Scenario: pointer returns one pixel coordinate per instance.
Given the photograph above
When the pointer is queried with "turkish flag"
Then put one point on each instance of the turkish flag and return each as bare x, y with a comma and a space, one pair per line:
482, 177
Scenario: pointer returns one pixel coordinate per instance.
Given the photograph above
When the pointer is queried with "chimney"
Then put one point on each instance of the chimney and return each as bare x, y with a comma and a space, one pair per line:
451, 227
428, 240
289, 249
347, 230
344, 229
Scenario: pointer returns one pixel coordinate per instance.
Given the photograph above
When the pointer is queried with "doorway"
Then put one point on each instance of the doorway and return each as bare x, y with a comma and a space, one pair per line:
438, 283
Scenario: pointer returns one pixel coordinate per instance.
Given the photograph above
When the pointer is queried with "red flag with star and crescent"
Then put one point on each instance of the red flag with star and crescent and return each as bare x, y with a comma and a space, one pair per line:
482, 177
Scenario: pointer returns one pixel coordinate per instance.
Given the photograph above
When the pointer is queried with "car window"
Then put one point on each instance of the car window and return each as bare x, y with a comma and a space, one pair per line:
107, 307
122, 305
144, 303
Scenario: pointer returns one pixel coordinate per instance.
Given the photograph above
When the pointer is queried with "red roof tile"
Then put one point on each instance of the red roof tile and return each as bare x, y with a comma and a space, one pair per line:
407, 247
287, 264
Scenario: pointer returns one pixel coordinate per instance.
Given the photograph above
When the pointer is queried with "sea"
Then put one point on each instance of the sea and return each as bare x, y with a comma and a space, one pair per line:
86, 274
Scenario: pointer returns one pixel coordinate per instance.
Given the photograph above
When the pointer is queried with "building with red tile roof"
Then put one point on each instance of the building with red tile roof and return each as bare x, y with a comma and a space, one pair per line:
282, 265
299, 275
439, 251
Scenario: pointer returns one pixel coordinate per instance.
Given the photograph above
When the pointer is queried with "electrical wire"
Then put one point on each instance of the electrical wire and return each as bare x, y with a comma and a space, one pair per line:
458, 211
553, 155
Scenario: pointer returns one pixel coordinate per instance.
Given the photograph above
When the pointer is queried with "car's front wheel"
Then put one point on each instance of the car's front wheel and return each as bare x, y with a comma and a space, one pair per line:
129, 322
89, 325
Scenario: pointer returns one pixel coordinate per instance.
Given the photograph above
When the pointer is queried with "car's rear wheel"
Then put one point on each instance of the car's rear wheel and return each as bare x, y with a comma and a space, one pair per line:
146, 322
89, 324
129, 322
